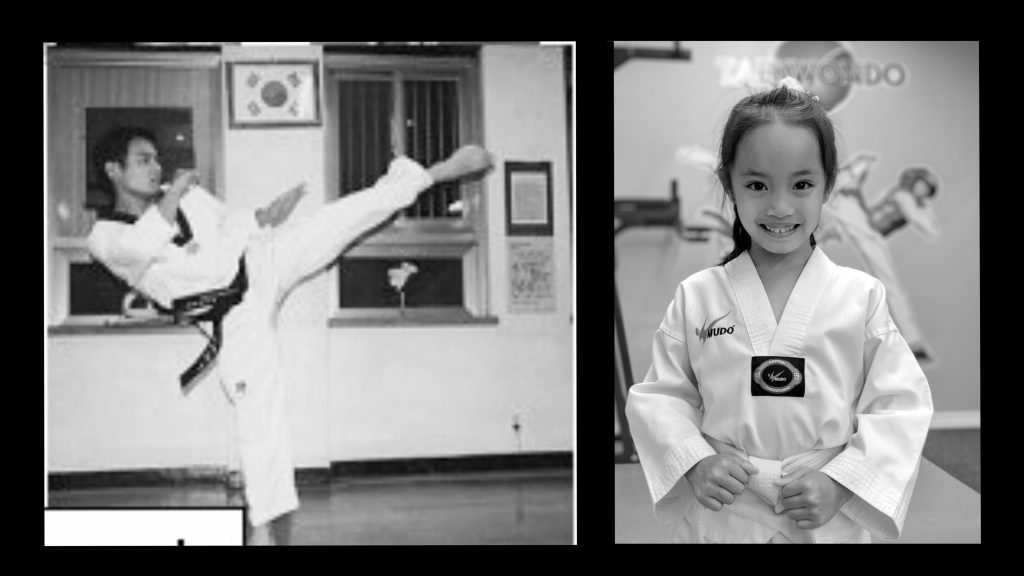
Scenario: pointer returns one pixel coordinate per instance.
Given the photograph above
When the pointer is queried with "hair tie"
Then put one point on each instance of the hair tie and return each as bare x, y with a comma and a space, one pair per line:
793, 84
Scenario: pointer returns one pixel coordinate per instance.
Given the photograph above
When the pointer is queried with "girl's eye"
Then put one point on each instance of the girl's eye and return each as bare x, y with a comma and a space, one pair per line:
753, 184
807, 185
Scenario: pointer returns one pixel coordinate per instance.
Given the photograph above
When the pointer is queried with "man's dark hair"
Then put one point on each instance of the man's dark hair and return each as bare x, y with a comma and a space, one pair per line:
113, 147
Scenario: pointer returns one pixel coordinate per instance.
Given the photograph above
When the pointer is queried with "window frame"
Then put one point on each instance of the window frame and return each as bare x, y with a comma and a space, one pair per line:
405, 237
63, 250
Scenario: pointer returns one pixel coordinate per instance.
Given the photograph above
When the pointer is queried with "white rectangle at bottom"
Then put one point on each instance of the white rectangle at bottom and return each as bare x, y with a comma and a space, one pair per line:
147, 527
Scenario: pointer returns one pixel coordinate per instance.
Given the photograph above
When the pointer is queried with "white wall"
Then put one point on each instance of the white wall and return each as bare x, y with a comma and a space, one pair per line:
114, 404
407, 392
357, 393
260, 164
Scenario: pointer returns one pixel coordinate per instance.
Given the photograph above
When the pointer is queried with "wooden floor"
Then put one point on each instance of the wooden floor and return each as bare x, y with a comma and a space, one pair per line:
481, 508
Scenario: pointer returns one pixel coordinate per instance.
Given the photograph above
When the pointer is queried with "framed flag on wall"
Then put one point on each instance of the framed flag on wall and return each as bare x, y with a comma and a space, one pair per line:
273, 94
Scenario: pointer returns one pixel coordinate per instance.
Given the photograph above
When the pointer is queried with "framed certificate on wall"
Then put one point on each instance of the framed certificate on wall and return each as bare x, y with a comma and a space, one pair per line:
273, 94
528, 198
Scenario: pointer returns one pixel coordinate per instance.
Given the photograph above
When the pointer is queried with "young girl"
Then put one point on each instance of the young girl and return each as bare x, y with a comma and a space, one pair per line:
183, 246
782, 403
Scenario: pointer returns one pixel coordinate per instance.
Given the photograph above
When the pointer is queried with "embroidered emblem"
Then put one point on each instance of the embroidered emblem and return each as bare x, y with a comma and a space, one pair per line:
777, 376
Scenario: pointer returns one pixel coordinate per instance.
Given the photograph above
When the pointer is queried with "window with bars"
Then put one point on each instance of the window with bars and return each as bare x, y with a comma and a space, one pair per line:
364, 124
429, 130
431, 135
426, 116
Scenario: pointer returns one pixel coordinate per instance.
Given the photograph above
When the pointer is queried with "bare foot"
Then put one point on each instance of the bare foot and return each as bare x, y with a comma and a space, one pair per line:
466, 160
279, 210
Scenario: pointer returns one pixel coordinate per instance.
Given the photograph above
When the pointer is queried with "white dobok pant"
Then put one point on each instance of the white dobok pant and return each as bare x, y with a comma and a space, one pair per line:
249, 364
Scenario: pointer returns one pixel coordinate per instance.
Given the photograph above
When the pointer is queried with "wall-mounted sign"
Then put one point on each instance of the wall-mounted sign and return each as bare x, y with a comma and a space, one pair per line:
528, 198
531, 270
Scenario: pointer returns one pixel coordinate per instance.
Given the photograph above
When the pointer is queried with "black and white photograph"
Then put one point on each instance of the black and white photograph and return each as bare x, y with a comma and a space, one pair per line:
284, 302
797, 292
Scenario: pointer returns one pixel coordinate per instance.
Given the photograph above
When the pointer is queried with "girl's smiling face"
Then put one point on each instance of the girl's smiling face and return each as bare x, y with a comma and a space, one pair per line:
778, 186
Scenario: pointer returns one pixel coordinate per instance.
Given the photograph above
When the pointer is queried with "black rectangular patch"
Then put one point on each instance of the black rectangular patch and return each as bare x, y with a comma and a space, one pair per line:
777, 376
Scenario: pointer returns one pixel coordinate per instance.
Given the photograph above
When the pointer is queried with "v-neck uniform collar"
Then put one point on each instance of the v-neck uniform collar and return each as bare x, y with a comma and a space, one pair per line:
183, 237
784, 338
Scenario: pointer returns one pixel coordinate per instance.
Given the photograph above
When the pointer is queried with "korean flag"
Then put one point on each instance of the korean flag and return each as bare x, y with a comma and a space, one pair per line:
274, 94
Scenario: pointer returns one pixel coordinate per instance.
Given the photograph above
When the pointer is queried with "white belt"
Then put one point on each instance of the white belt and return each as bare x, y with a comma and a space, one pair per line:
763, 484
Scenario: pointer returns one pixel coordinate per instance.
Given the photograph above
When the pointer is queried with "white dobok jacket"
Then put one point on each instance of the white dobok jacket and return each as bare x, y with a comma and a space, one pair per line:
833, 387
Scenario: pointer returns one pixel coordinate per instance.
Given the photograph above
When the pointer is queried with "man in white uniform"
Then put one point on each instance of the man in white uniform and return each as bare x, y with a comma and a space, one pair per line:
176, 244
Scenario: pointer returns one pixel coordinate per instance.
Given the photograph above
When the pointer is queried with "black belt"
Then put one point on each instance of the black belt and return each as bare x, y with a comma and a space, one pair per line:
202, 307
209, 306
